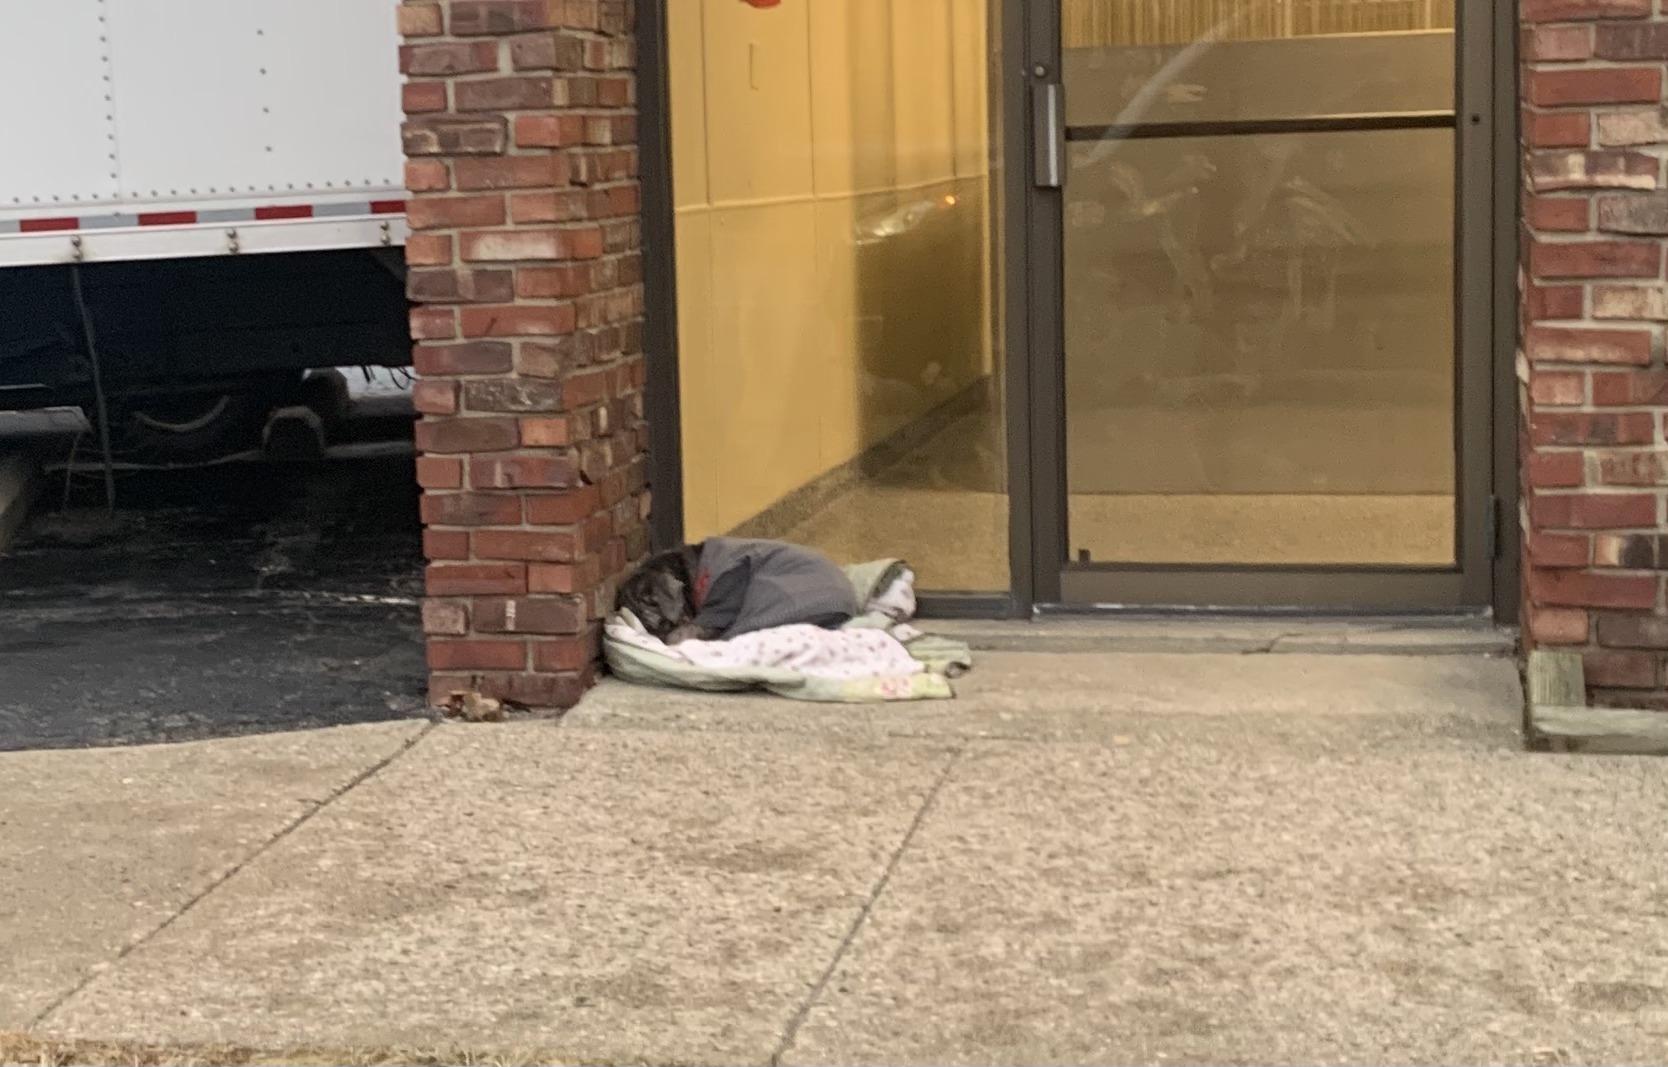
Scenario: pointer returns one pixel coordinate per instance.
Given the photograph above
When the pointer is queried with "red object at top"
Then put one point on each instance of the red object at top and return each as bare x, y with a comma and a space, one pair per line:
762, 3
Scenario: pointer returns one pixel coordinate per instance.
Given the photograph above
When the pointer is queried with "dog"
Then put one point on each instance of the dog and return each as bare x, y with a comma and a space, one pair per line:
661, 593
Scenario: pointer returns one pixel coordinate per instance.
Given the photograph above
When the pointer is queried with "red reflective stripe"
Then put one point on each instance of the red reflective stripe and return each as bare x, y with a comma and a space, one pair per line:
387, 207
47, 225
168, 218
285, 211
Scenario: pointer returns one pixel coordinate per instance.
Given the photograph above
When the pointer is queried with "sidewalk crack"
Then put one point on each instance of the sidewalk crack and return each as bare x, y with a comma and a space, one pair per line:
791, 1032
291, 827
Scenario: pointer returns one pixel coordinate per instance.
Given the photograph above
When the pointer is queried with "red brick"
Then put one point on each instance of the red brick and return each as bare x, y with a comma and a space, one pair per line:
516, 688
549, 131
547, 51
1633, 468
428, 249
427, 176
419, 20
471, 509
1560, 214
1625, 41
543, 359
418, 98
435, 472
1592, 428
523, 472
1555, 470
1558, 388
1605, 168
1634, 213
1629, 630
471, 357
1544, 302
1585, 589
451, 212
1599, 85
433, 324
512, 395
1559, 549
564, 206
1557, 344
1558, 626
1596, 259
473, 434
530, 615
516, 93
543, 546
1560, 44
511, 172
446, 617
1630, 389
1577, 10
509, 246
564, 509
1560, 129
445, 544
435, 398
446, 654
575, 577
568, 655
547, 432
518, 320
476, 579
1593, 511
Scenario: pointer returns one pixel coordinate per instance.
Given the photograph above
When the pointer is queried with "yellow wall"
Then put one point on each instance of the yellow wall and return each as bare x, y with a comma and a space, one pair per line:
800, 346
1096, 23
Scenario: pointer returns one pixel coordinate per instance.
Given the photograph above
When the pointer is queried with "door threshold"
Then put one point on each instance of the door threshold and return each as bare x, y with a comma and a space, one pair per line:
1309, 634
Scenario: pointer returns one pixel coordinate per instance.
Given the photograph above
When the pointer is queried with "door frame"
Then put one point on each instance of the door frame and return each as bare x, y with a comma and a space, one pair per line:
1485, 427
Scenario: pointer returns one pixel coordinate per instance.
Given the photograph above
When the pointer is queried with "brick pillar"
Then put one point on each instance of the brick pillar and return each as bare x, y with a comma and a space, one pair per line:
524, 261
1594, 386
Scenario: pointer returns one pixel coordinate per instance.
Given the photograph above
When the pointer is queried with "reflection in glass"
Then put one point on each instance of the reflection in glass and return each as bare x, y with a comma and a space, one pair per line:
840, 375
1259, 339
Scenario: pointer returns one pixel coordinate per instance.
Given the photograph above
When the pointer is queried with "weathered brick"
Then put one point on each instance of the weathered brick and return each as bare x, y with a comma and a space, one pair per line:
452, 212
471, 18
1558, 388
433, 324
1631, 389
1593, 511
1560, 44
1632, 126
1577, 10
511, 172
1646, 303
1607, 667
446, 617
449, 654
436, 135
460, 286
470, 357
419, 20
439, 472
544, 546
427, 176
530, 615
445, 544
1631, 41
1632, 630
1560, 549
455, 57
547, 51
420, 98
435, 398
523, 472
570, 655
1604, 168
1546, 302
1559, 344
513, 93
1633, 552
1591, 428
428, 249
1633, 468
1561, 214
1587, 589
519, 320
1556, 470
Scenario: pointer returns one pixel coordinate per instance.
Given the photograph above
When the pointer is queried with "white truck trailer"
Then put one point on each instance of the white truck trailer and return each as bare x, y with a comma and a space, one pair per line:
199, 201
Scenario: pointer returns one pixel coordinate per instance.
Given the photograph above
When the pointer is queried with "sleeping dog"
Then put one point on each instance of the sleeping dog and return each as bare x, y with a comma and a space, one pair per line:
728, 586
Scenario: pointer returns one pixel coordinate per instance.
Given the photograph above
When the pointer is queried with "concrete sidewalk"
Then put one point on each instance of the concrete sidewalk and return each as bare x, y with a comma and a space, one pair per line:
1139, 857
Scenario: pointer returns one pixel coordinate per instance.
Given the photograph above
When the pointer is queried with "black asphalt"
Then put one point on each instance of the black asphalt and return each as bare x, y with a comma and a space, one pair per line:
228, 600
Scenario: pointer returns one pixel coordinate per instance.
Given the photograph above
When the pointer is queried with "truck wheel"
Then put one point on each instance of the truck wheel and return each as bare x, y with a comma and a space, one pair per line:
190, 427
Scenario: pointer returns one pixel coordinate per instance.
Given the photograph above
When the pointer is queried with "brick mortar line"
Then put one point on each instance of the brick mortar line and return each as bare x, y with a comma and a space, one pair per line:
284, 832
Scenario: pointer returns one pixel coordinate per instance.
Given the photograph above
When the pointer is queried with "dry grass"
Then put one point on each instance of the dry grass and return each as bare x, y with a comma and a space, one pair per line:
22, 1050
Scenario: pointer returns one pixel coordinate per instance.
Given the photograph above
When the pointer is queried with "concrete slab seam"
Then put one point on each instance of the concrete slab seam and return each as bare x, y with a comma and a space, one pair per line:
790, 1033
295, 824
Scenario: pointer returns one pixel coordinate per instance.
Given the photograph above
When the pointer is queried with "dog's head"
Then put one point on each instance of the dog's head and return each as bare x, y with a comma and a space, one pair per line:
659, 593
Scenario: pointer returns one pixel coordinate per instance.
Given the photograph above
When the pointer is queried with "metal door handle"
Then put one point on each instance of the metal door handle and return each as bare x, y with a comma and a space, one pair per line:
1048, 132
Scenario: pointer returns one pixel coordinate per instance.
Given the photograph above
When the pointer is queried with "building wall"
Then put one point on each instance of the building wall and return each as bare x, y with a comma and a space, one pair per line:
1594, 389
800, 344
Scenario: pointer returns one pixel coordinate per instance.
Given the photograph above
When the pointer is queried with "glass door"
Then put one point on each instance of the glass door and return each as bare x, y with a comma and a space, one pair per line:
1270, 318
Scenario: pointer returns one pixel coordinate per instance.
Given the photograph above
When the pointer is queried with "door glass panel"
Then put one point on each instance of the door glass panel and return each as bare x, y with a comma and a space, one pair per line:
1259, 327
837, 262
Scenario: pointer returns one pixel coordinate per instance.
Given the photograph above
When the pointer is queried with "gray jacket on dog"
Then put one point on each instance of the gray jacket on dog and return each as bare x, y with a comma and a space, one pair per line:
744, 585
